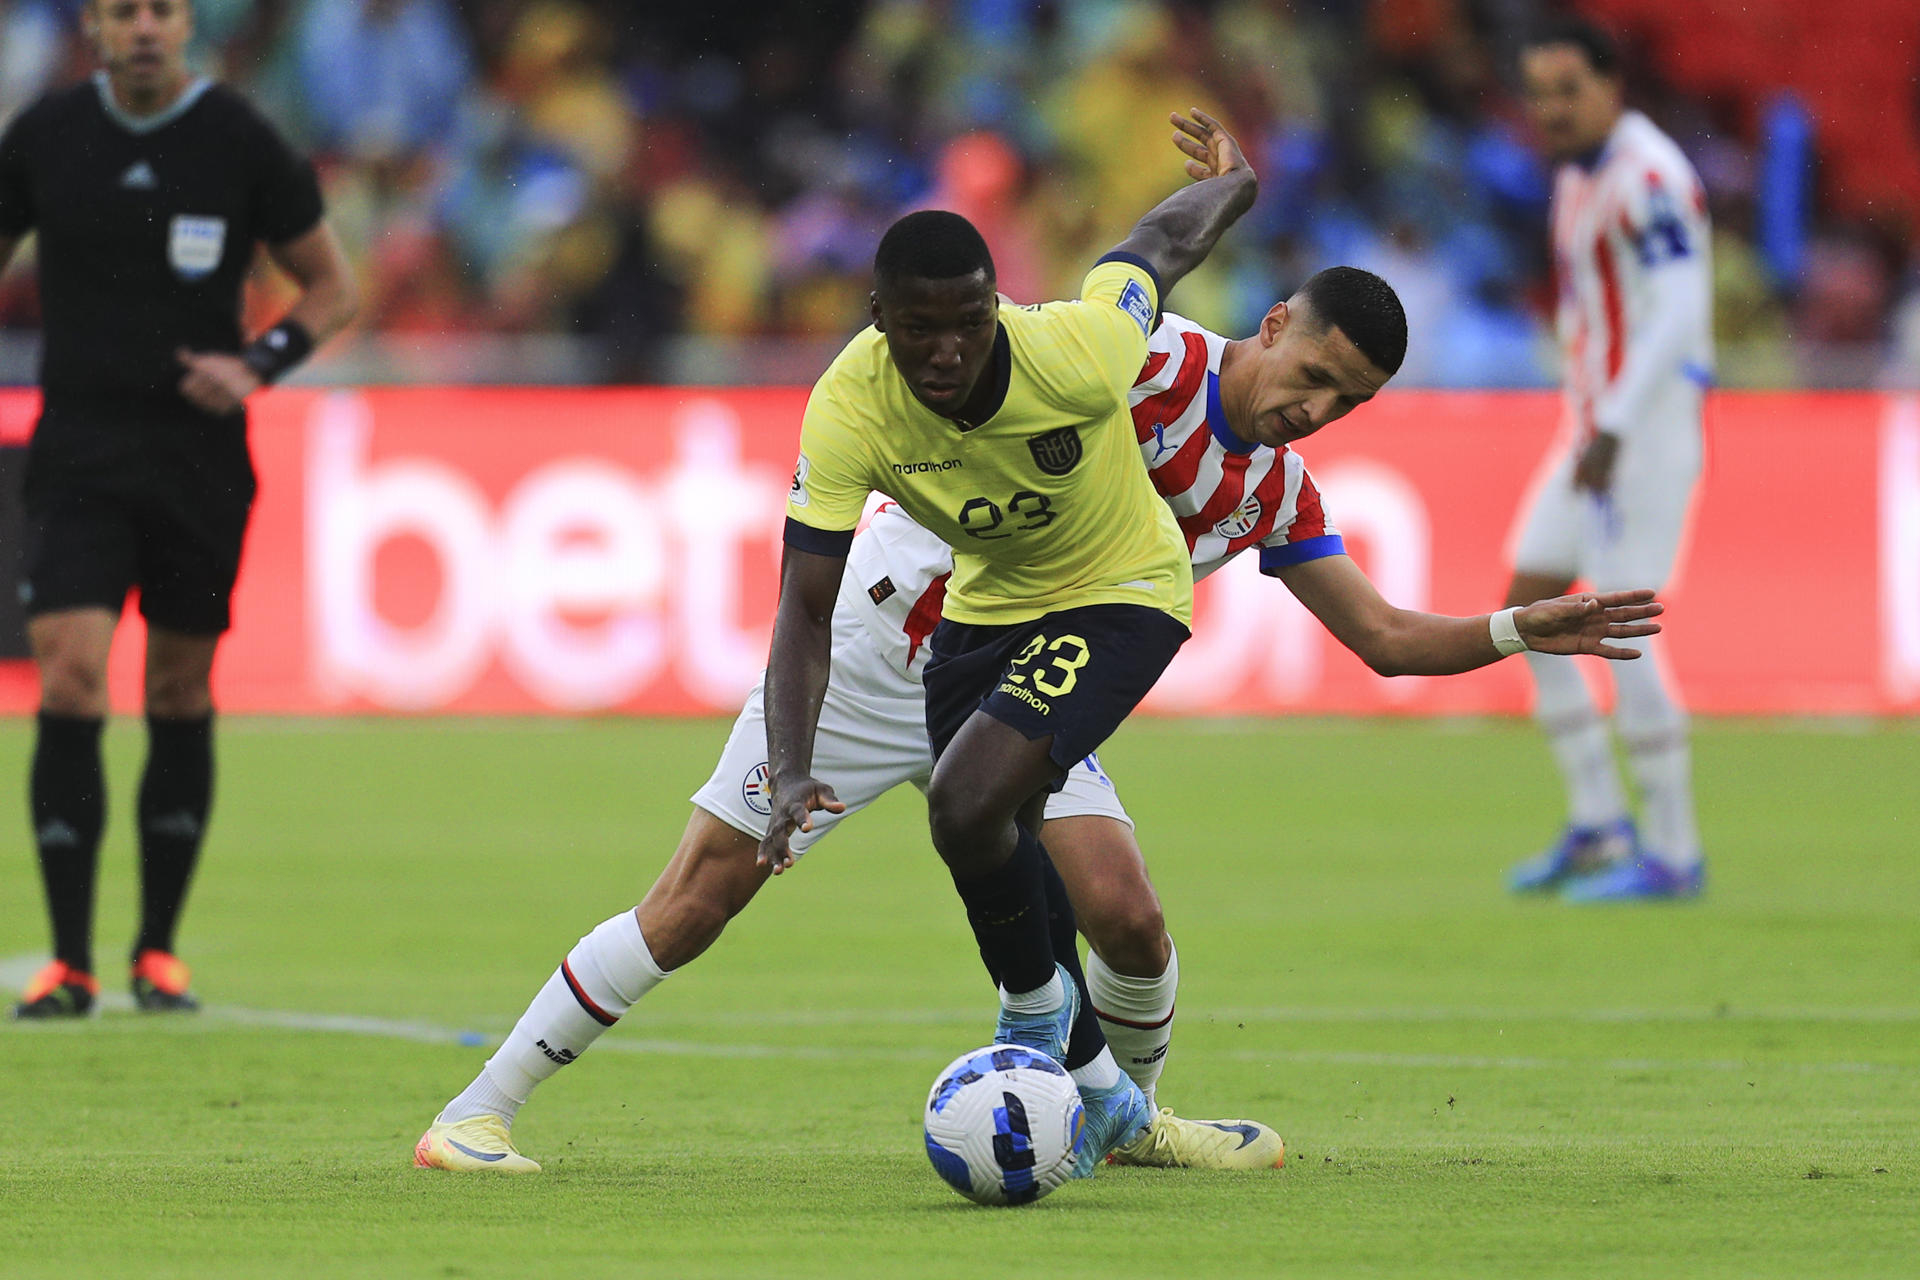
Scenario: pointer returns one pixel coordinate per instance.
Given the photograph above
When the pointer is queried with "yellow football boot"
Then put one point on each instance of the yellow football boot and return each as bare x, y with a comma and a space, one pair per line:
1173, 1143
478, 1144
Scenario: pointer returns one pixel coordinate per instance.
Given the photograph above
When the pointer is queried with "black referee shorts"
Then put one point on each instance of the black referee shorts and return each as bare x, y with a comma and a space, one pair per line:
1075, 675
170, 526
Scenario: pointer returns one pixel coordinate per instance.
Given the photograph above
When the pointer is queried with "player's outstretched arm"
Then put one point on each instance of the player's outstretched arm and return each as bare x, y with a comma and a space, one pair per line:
797, 672
1178, 233
1406, 642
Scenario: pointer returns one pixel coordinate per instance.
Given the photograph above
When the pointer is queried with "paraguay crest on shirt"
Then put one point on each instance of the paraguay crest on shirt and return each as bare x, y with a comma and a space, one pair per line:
1241, 522
194, 245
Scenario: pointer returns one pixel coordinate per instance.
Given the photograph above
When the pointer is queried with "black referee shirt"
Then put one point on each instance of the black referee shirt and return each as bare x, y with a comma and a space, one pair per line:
147, 228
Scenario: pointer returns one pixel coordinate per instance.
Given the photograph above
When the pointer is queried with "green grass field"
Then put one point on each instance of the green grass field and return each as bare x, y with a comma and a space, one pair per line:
1468, 1084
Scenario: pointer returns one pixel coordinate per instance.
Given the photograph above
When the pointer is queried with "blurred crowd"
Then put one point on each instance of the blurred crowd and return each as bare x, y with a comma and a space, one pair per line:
640, 175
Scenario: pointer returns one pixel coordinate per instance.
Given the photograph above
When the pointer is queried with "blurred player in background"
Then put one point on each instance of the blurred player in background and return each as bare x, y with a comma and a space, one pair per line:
149, 188
1630, 246
1214, 419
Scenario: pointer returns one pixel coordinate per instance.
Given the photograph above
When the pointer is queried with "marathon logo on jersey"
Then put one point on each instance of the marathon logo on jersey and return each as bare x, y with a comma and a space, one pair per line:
925, 468
1134, 301
1023, 694
881, 591
1056, 452
194, 245
1241, 522
797, 493
757, 791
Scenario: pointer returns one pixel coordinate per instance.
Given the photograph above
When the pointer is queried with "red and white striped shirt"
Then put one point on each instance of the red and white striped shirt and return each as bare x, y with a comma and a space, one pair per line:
1228, 494
1635, 284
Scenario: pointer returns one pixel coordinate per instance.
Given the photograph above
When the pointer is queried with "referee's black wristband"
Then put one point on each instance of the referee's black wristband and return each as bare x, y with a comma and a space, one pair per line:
277, 350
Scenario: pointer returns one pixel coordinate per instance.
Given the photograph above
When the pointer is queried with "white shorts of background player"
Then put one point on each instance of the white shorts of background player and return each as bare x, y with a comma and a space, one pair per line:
1630, 537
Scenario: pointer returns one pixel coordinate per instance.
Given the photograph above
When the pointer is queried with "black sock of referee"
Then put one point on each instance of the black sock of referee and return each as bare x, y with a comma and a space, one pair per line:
175, 794
69, 801
1088, 1037
1007, 908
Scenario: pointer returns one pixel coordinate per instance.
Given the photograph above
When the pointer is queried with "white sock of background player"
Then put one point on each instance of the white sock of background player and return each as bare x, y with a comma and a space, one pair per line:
1137, 1015
1653, 728
610, 970
1565, 712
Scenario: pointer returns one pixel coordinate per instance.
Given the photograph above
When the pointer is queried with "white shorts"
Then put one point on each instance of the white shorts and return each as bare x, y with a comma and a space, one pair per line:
1629, 537
872, 738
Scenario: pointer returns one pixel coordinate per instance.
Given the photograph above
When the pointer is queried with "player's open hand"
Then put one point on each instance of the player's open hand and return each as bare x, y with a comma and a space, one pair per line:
1584, 623
1210, 149
214, 381
793, 809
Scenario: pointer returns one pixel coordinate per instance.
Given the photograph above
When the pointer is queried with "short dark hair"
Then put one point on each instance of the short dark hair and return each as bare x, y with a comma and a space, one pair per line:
1601, 51
1365, 308
932, 244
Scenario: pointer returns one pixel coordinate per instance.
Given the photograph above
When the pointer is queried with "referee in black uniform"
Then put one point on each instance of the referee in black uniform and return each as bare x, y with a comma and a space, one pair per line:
149, 188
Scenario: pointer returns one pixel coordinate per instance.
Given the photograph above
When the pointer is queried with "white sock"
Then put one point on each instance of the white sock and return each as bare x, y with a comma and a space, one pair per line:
1137, 1015
1102, 1073
1578, 736
604, 975
1040, 1000
1654, 729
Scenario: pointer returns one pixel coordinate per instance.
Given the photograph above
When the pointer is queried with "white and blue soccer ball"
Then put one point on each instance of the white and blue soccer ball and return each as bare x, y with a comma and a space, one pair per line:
1004, 1125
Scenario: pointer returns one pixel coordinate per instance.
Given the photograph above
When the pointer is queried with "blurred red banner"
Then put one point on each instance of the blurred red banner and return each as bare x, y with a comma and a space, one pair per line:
615, 550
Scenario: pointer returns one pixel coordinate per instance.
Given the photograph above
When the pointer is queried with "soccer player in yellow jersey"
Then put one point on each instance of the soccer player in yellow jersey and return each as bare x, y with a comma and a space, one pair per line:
1005, 431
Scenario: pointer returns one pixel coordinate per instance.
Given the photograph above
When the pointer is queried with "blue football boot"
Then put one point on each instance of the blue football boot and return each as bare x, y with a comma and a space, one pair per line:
1641, 879
1580, 851
1046, 1033
1116, 1116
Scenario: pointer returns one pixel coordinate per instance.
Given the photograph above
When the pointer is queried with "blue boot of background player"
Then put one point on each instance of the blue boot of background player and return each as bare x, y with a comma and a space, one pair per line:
1580, 851
1642, 879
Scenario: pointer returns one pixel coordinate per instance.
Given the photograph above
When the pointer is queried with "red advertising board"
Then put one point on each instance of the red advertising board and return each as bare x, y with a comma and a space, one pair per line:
615, 550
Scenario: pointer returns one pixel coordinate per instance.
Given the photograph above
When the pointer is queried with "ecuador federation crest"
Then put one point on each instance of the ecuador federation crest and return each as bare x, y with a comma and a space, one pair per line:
1055, 452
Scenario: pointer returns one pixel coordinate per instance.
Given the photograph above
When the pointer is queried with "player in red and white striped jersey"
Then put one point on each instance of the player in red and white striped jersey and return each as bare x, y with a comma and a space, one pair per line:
1215, 419
1630, 248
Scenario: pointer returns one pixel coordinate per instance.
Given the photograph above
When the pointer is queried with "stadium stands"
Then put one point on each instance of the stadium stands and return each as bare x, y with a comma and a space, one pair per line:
548, 190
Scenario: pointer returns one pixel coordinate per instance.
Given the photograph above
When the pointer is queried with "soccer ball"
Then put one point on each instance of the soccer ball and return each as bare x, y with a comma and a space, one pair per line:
1004, 1125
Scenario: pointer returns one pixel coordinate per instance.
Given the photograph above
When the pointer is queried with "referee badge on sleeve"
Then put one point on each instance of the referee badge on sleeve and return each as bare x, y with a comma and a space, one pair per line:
194, 245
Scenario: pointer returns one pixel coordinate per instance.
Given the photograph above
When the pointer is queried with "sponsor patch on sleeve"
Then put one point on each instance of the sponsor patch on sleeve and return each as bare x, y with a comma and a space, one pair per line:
797, 492
1135, 302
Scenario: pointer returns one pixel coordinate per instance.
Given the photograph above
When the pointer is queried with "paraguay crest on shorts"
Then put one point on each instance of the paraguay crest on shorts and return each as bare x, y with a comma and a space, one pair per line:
757, 791
1055, 452
194, 245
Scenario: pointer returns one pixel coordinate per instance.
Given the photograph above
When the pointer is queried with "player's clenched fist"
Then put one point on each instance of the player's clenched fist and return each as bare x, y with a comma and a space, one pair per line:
794, 805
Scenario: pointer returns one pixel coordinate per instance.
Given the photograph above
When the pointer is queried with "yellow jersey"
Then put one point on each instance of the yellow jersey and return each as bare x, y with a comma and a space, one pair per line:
1045, 504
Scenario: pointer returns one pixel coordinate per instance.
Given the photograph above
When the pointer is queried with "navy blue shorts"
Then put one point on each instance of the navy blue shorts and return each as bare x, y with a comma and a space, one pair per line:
1075, 674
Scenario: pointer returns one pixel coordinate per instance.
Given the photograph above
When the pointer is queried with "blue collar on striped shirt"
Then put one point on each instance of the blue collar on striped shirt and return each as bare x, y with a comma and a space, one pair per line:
1217, 419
